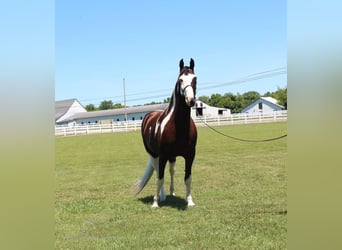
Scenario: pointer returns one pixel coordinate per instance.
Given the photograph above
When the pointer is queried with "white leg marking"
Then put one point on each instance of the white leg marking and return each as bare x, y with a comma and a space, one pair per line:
156, 197
167, 118
172, 173
159, 183
188, 197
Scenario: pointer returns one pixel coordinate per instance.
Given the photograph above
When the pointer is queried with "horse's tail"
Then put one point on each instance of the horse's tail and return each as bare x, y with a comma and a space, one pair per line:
146, 177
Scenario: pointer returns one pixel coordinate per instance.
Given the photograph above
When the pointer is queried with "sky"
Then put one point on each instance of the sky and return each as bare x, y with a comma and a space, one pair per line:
238, 46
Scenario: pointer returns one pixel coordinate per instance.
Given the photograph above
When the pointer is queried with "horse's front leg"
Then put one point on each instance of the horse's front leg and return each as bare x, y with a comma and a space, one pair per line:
187, 180
172, 174
160, 194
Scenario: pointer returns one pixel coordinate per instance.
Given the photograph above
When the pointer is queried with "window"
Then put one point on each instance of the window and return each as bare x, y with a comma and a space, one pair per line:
199, 111
220, 111
260, 105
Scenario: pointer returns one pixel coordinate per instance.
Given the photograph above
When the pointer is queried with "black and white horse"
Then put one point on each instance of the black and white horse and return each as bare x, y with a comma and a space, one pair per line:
171, 133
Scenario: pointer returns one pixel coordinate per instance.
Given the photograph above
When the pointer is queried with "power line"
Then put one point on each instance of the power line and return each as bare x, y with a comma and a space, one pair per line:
164, 93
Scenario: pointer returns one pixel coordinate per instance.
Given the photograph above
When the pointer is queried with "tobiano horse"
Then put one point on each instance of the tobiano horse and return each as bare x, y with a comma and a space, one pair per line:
171, 133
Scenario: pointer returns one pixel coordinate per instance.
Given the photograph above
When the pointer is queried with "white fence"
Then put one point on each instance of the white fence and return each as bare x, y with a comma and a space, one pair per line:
242, 118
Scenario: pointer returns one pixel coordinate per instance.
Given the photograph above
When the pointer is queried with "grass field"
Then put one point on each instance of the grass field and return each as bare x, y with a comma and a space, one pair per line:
239, 190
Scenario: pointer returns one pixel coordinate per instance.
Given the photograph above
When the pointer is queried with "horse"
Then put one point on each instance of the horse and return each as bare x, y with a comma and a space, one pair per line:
170, 133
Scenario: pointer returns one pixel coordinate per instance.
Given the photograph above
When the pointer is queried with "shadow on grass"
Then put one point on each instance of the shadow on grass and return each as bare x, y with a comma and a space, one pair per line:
171, 201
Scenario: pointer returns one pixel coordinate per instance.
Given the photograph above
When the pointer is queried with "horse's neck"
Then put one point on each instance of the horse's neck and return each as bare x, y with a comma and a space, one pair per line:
181, 113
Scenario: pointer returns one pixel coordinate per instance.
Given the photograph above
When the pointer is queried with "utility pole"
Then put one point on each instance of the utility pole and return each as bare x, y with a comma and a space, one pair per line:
124, 90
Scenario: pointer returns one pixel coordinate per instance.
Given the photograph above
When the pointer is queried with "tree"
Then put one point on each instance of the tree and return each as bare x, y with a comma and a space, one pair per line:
167, 100
117, 106
204, 99
106, 105
250, 96
215, 100
280, 95
152, 103
90, 107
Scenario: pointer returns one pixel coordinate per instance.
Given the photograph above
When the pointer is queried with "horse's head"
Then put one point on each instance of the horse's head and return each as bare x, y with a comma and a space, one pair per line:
187, 82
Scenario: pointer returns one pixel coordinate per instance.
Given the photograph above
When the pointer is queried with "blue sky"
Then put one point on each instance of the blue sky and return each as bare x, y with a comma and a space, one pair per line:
98, 43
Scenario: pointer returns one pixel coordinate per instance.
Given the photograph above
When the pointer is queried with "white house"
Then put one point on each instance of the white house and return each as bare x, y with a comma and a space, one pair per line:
67, 108
263, 105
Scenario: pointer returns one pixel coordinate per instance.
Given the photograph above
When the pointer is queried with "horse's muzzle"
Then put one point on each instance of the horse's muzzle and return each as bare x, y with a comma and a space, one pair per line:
192, 102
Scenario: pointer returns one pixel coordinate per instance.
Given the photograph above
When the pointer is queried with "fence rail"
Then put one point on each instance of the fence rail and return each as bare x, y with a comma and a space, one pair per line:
242, 118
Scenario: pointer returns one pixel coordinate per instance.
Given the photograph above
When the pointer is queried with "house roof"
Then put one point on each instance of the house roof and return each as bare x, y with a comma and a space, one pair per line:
61, 107
266, 99
270, 99
120, 111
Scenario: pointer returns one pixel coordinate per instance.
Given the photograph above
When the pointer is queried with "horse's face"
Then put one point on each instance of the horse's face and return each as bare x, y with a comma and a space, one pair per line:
187, 83
187, 86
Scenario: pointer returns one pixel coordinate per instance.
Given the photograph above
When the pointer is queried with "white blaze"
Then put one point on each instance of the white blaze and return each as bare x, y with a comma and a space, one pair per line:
186, 81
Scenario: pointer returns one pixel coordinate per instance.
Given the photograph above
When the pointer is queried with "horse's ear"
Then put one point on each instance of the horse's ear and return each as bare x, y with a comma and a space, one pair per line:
192, 64
181, 64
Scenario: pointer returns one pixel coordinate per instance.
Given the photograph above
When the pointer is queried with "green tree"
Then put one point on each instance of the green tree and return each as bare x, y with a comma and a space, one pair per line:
90, 107
250, 96
227, 100
151, 103
280, 95
106, 105
167, 100
215, 100
204, 99
117, 106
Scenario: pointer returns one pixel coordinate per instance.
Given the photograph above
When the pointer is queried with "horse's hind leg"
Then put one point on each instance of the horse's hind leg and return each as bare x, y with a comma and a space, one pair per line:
172, 173
160, 195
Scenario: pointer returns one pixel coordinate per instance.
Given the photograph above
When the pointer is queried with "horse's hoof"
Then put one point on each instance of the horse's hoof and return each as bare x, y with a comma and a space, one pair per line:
190, 202
155, 205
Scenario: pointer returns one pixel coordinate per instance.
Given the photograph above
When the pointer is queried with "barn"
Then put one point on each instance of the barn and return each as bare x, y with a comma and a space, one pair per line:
67, 108
114, 115
263, 105
71, 112
203, 109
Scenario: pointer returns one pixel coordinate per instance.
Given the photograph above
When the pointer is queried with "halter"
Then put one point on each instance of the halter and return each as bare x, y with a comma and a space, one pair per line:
182, 91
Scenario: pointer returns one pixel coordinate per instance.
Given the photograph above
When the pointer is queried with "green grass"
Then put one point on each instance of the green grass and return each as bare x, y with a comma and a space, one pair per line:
239, 189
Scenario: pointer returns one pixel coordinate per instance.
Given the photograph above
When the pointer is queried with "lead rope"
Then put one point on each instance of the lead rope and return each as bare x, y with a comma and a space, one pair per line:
240, 139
